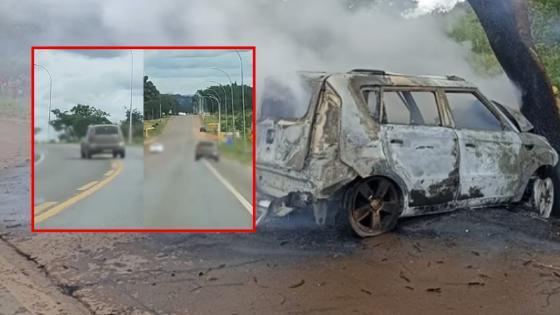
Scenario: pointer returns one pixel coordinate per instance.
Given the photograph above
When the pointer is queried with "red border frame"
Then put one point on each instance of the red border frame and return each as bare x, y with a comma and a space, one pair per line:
33, 48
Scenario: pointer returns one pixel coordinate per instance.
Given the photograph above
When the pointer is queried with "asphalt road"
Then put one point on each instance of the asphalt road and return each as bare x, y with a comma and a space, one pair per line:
101, 193
180, 193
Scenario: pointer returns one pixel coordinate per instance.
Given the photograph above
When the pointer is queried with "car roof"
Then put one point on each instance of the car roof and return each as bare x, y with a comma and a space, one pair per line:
385, 78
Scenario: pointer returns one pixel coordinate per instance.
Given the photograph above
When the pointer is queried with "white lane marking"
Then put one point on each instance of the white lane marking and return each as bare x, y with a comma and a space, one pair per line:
246, 204
41, 158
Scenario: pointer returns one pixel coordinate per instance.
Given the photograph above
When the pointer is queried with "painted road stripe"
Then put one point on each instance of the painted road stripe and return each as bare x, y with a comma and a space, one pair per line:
108, 173
44, 206
88, 185
118, 167
40, 159
237, 195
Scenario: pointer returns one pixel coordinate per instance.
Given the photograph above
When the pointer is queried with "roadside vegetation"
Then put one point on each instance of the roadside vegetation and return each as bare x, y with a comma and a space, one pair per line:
72, 124
545, 27
157, 124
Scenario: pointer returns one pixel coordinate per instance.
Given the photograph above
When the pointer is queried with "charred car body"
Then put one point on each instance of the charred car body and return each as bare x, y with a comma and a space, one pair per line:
385, 146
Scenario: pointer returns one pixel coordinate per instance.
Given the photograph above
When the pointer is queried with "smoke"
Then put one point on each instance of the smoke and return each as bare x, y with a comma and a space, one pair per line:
323, 35
328, 36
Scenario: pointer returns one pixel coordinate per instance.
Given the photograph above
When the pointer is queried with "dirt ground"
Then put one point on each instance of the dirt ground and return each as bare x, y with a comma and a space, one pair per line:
492, 261
15, 142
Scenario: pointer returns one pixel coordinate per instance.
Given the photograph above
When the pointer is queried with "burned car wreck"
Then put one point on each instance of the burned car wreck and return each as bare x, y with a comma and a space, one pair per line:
370, 147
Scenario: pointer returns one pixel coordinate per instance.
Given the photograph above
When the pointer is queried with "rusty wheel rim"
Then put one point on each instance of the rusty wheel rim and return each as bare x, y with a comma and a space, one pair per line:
374, 207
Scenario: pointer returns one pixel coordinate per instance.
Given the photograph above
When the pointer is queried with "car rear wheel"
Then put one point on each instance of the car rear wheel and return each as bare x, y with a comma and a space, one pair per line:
374, 206
122, 154
83, 154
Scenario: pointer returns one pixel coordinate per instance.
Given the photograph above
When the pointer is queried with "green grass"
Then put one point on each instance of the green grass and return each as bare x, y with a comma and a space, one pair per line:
156, 123
237, 151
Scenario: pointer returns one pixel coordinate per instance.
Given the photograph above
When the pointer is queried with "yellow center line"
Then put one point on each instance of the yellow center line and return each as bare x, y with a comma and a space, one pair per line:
44, 206
118, 167
88, 185
108, 173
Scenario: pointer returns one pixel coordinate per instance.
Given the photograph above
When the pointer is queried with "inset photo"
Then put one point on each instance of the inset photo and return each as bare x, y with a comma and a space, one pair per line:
198, 132
88, 139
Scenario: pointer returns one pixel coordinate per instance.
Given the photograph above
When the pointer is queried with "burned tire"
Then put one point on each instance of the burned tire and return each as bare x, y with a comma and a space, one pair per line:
555, 176
543, 192
374, 206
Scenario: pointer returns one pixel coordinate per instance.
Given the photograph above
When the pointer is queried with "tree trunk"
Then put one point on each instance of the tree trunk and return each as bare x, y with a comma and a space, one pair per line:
507, 26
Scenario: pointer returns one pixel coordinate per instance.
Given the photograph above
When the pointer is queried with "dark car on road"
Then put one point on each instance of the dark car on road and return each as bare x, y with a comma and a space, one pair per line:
102, 139
372, 147
207, 149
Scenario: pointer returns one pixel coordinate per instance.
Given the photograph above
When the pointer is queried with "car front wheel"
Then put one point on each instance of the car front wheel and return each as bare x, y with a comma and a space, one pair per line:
542, 192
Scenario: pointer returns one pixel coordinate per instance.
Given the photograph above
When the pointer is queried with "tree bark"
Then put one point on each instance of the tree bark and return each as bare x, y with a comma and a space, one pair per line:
507, 26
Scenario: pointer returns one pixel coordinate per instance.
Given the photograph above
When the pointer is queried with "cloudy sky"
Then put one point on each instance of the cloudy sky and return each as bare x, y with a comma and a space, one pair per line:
186, 71
97, 78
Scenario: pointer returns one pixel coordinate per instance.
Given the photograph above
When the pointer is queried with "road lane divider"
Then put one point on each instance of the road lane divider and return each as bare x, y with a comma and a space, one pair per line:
246, 204
88, 185
44, 206
40, 159
108, 173
116, 166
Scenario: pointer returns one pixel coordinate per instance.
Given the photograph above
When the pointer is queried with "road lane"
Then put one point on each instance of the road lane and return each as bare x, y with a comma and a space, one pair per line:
116, 202
62, 171
184, 194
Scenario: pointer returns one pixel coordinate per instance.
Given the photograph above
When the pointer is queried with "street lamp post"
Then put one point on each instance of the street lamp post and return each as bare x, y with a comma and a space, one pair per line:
130, 110
216, 97
219, 116
50, 96
231, 87
225, 100
243, 99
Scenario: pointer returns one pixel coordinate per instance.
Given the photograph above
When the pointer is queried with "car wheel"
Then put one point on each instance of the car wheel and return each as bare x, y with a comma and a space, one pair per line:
83, 154
88, 155
196, 158
217, 159
122, 155
556, 182
542, 193
114, 154
374, 206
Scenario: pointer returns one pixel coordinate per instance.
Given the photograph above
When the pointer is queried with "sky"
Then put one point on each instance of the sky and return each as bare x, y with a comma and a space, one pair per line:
186, 71
97, 78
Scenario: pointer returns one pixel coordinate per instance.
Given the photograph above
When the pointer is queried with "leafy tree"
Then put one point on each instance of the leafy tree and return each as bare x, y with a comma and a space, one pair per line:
545, 30
137, 124
74, 123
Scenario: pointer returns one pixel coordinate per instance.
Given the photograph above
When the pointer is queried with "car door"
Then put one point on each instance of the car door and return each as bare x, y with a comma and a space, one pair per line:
420, 149
489, 149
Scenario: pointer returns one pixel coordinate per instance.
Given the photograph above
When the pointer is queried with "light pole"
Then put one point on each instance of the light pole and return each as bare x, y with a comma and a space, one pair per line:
50, 95
225, 100
231, 87
216, 97
219, 116
130, 110
243, 99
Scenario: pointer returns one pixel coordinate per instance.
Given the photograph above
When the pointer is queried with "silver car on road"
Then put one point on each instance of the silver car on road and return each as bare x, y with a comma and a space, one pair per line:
376, 146
102, 139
